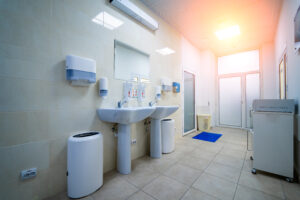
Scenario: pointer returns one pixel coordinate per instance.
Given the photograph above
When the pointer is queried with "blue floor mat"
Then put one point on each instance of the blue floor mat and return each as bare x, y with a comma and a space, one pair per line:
210, 137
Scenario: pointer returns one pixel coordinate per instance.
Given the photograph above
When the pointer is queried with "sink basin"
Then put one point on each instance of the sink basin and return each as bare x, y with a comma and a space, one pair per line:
155, 133
124, 117
163, 111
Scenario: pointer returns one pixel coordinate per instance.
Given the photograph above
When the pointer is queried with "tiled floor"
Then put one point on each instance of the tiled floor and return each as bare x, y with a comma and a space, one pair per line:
196, 170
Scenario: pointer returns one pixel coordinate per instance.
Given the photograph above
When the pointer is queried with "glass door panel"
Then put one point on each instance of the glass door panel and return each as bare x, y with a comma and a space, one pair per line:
189, 102
230, 94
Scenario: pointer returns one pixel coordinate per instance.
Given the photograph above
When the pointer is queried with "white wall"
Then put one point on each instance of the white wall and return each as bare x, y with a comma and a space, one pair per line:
284, 41
207, 84
267, 71
203, 64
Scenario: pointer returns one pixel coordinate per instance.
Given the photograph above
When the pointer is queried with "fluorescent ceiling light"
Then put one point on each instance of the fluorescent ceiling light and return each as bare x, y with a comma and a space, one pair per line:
165, 51
228, 32
107, 20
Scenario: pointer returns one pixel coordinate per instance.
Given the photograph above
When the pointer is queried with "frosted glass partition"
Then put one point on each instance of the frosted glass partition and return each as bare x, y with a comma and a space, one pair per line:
130, 63
240, 62
189, 102
230, 95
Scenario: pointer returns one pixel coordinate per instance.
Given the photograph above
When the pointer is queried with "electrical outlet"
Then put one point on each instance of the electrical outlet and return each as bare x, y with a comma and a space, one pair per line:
28, 173
133, 141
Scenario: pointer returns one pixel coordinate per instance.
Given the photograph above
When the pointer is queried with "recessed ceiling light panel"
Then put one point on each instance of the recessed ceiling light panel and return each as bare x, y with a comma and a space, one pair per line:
107, 20
228, 32
165, 51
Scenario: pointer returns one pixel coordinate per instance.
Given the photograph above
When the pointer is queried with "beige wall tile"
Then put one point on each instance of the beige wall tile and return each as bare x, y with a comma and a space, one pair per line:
18, 157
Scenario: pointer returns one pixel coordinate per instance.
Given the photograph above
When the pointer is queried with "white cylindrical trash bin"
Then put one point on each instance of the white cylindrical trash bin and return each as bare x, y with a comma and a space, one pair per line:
85, 164
168, 135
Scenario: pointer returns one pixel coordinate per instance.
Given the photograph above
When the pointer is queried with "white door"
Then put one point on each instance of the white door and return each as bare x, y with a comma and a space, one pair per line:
252, 92
230, 101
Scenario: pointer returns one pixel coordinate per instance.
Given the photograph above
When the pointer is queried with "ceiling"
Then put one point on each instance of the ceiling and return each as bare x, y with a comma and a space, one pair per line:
197, 20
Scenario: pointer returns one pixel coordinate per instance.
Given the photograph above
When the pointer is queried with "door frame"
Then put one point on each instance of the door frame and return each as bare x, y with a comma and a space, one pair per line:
283, 59
242, 75
245, 82
195, 78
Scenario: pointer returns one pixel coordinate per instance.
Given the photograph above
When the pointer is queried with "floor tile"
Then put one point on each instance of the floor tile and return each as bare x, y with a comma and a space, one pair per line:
266, 184
185, 148
140, 162
176, 155
160, 165
164, 188
223, 171
200, 153
183, 174
245, 193
115, 189
194, 194
196, 163
234, 153
215, 186
61, 196
248, 165
211, 147
291, 190
237, 147
140, 196
139, 177
229, 160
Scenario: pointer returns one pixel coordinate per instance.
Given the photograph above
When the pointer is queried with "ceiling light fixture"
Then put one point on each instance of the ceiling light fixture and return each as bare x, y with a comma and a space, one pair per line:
107, 20
165, 51
228, 32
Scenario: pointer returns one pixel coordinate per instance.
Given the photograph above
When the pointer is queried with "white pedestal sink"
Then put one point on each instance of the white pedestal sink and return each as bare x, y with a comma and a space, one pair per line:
124, 117
155, 135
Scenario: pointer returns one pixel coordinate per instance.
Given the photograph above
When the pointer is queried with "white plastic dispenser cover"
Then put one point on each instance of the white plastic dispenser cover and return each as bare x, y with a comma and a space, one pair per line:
103, 86
166, 84
80, 71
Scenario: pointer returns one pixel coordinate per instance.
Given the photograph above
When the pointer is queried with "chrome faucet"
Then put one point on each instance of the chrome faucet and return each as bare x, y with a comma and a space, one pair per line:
126, 94
122, 102
152, 103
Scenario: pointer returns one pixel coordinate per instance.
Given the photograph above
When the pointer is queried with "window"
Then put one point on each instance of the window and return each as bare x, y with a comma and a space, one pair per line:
238, 63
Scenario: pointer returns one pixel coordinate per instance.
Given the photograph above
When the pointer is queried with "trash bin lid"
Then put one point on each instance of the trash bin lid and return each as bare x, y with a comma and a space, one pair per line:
85, 134
166, 119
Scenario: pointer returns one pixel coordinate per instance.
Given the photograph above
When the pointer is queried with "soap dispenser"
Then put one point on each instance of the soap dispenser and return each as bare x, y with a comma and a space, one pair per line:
103, 87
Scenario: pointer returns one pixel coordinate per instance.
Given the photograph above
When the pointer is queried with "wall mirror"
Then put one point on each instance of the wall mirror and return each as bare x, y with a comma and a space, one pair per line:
130, 63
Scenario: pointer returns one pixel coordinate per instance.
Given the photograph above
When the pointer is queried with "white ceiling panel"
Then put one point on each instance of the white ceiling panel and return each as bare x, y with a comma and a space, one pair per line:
197, 20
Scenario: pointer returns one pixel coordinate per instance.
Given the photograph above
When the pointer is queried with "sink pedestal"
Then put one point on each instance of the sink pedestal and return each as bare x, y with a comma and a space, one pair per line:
124, 150
155, 138
124, 117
